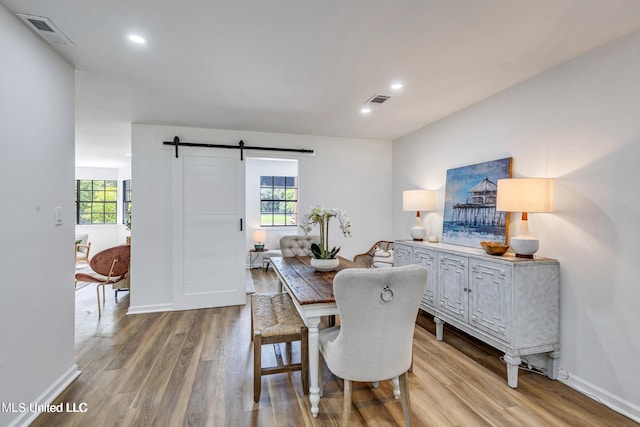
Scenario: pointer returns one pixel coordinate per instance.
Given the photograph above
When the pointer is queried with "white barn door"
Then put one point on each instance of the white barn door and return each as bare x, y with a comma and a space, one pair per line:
209, 237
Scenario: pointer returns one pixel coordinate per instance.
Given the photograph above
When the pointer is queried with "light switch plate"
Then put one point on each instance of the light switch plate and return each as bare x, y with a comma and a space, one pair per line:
57, 215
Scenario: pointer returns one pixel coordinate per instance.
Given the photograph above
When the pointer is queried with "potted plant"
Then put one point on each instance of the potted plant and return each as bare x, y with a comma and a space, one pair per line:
323, 258
127, 223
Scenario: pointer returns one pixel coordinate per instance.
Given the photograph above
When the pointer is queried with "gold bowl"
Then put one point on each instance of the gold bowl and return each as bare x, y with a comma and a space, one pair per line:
494, 248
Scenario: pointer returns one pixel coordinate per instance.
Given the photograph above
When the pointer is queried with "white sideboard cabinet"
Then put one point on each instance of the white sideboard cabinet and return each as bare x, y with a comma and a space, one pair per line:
512, 304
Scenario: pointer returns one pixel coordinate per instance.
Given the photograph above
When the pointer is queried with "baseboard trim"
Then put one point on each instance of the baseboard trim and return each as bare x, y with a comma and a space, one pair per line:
598, 394
153, 308
48, 396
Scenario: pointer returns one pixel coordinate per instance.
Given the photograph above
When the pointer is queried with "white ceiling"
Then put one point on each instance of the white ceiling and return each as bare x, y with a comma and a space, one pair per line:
307, 66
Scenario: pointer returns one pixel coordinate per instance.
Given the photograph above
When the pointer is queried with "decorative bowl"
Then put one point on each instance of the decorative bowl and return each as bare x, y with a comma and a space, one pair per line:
494, 248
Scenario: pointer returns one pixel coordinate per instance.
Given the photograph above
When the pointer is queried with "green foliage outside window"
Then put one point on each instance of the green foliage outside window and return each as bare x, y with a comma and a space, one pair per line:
96, 201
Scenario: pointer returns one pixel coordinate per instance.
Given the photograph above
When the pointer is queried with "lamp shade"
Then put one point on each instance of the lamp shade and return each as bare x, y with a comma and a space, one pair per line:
525, 195
418, 200
259, 236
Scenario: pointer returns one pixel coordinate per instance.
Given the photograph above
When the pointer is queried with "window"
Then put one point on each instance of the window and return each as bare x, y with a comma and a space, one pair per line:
278, 201
126, 202
96, 201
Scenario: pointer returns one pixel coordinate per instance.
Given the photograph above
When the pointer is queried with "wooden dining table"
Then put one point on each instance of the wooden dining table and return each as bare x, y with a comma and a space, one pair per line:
312, 293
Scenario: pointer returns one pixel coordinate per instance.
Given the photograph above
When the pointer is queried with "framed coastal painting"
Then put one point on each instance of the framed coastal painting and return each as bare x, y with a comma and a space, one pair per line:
470, 214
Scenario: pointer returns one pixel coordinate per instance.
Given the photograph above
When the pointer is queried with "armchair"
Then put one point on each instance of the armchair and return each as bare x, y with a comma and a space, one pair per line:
109, 266
83, 248
366, 259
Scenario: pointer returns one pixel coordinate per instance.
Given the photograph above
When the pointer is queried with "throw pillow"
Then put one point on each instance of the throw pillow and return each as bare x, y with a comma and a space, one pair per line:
382, 258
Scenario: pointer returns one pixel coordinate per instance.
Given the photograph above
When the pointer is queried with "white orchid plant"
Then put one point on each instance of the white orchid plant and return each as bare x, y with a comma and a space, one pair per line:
320, 216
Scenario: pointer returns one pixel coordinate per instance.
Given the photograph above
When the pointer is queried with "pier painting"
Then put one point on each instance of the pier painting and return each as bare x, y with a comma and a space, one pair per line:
470, 214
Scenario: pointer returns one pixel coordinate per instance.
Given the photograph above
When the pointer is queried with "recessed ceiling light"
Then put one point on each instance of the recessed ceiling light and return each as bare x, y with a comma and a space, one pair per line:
396, 86
365, 110
137, 39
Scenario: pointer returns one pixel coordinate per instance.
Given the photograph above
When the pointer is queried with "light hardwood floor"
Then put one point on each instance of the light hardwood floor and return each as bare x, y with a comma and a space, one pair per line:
195, 368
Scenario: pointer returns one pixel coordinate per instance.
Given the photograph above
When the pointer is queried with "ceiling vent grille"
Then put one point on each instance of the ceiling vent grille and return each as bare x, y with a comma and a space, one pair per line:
378, 99
46, 29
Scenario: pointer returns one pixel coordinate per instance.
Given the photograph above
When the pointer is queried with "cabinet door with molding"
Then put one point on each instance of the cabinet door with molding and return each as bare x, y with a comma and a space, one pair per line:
427, 258
490, 297
453, 286
402, 255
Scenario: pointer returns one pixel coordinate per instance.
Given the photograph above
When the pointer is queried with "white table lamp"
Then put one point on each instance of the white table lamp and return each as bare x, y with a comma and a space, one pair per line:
418, 200
259, 237
525, 195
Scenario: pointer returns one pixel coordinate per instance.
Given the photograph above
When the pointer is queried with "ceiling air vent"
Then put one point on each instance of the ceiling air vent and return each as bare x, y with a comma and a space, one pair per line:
378, 99
46, 29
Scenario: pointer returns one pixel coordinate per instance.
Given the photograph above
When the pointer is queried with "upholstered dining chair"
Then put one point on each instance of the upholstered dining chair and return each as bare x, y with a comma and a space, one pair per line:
378, 310
109, 267
291, 245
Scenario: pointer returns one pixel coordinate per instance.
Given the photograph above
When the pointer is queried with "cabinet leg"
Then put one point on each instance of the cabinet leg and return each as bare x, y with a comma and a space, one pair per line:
439, 328
553, 360
513, 363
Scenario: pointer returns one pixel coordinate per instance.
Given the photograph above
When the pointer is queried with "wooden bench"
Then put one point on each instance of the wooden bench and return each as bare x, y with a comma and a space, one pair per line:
274, 319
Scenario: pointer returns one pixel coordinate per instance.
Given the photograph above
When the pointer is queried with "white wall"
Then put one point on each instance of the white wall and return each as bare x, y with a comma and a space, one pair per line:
351, 174
37, 264
580, 124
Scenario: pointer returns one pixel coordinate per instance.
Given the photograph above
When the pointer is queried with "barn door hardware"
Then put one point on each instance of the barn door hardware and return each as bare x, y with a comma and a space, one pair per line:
241, 146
